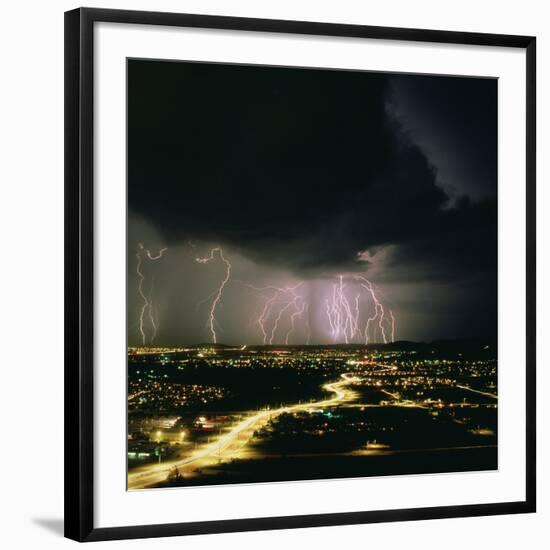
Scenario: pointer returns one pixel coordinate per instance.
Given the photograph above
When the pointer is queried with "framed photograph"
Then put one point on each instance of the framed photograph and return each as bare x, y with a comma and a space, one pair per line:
300, 274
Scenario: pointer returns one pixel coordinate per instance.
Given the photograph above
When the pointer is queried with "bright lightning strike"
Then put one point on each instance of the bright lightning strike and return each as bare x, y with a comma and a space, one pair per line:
147, 306
287, 297
378, 310
343, 321
344, 308
218, 294
298, 312
285, 310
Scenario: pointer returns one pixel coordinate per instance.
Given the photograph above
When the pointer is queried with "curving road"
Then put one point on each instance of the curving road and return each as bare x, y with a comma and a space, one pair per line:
152, 474
485, 393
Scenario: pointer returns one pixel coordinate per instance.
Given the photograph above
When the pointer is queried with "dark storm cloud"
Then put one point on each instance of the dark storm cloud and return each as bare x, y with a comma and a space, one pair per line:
454, 121
462, 243
305, 168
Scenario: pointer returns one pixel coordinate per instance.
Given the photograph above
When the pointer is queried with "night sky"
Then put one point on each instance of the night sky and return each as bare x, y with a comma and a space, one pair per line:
309, 178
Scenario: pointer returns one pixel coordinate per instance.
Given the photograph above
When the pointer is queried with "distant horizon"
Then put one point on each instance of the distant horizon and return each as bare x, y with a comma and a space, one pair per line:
324, 345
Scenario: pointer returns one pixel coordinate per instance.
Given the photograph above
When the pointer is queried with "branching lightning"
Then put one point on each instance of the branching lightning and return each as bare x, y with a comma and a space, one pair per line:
279, 301
343, 321
147, 306
219, 292
353, 309
378, 310
298, 312
346, 310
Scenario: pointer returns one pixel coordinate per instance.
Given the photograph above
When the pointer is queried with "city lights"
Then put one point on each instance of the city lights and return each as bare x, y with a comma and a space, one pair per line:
326, 401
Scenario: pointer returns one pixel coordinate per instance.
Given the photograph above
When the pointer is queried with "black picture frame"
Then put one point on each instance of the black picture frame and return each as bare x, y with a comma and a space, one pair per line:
79, 269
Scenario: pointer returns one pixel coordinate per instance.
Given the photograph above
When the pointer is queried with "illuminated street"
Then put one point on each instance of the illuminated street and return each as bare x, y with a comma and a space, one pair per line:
223, 414
235, 439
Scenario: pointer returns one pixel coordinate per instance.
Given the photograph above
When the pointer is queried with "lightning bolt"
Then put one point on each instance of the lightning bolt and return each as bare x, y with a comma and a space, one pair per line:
378, 309
292, 302
344, 309
218, 294
277, 319
151, 315
342, 319
285, 295
265, 314
145, 305
150, 256
369, 321
298, 312
147, 300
